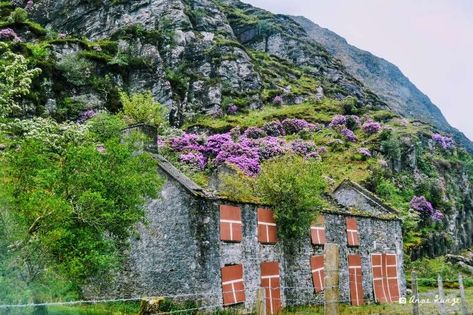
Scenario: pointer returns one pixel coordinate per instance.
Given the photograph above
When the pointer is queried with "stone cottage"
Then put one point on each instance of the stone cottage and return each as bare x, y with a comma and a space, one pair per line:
203, 248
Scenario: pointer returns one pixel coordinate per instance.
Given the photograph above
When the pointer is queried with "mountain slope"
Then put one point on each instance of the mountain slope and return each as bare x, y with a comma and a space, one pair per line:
383, 78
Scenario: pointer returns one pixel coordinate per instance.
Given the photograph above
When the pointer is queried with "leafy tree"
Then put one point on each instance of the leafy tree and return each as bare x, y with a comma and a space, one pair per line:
67, 214
266, 29
141, 108
294, 186
15, 80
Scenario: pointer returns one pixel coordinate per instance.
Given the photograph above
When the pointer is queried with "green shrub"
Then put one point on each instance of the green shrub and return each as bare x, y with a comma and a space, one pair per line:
291, 185
430, 268
19, 15
141, 108
69, 109
15, 80
105, 127
76, 70
391, 147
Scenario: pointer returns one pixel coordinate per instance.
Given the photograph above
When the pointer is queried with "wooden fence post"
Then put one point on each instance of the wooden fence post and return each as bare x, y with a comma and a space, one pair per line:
260, 302
415, 294
331, 269
462, 295
441, 295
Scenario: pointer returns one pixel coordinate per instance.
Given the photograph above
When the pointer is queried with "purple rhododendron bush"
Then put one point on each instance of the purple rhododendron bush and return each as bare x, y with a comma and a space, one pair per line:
247, 149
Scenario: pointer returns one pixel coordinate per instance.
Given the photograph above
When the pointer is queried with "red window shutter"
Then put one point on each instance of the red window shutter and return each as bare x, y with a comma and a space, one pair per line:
385, 279
352, 232
271, 283
233, 287
318, 274
356, 280
317, 231
267, 230
379, 278
390, 272
230, 224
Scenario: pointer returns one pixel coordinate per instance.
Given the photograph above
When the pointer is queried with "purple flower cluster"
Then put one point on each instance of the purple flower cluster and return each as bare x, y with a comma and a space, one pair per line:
302, 147
371, 127
274, 129
270, 147
437, 216
312, 155
247, 150
365, 152
160, 143
29, 5
294, 125
445, 142
215, 143
278, 100
241, 154
101, 149
88, 114
232, 109
321, 150
422, 205
254, 133
338, 121
8, 34
186, 142
194, 158
349, 135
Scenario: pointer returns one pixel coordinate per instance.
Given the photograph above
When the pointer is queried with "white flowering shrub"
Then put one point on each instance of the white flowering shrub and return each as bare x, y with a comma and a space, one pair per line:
15, 80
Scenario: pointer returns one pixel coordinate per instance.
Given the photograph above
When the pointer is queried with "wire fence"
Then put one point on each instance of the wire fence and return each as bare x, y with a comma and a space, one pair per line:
429, 300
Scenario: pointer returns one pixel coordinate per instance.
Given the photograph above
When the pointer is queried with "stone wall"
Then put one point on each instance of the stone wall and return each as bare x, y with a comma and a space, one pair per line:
179, 252
173, 253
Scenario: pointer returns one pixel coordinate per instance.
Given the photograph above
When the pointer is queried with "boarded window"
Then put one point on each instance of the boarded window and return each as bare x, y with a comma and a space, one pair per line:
317, 231
271, 283
356, 280
352, 232
267, 230
318, 274
233, 287
385, 280
230, 224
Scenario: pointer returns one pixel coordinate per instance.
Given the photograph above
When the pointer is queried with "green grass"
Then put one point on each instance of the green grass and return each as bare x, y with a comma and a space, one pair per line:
345, 309
129, 308
313, 112
394, 308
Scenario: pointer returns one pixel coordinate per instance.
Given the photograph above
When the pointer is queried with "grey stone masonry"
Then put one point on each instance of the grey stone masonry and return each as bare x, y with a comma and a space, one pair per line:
178, 252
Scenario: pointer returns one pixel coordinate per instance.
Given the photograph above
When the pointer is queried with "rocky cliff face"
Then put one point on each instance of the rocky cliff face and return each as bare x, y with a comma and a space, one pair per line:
383, 78
200, 56
449, 182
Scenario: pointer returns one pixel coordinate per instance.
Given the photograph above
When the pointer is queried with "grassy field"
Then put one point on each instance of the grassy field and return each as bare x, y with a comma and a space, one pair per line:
427, 295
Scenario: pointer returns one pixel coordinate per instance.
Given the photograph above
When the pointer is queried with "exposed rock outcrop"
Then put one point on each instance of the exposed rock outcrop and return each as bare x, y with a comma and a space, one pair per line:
200, 56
